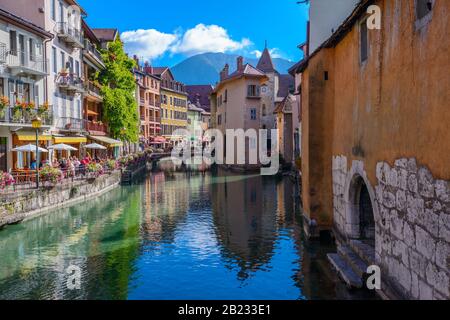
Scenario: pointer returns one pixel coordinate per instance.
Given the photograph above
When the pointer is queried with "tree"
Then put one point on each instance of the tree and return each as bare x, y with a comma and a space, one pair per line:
118, 91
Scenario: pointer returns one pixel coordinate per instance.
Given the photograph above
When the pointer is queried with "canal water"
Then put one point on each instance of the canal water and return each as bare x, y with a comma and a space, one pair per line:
173, 236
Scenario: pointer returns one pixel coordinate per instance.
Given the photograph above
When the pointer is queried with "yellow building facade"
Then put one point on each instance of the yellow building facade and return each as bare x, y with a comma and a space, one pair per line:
174, 102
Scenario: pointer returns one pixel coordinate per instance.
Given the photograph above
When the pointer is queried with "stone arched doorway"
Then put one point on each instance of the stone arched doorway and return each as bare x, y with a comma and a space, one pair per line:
361, 212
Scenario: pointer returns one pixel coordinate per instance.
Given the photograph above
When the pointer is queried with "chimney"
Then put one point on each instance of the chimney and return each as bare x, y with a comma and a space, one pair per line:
240, 63
148, 68
224, 72
137, 60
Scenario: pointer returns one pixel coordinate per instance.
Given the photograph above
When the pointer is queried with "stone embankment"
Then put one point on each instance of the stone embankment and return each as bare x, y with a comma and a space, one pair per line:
17, 207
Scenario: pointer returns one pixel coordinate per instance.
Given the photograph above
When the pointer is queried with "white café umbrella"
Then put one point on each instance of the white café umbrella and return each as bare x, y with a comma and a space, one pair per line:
95, 146
62, 147
30, 148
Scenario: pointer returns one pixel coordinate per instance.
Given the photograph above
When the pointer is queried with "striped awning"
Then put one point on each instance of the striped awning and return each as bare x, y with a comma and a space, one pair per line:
58, 140
31, 136
110, 142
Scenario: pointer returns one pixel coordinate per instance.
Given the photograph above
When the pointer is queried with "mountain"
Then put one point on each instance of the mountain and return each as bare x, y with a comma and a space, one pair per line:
205, 68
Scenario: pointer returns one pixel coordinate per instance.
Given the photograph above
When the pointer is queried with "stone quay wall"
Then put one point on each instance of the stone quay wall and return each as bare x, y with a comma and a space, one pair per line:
23, 205
412, 224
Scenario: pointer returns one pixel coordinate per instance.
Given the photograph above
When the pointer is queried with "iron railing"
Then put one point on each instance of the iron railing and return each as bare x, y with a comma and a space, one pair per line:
18, 115
70, 124
71, 34
95, 126
26, 179
3, 52
27, 63
93, 88
92, 49
70, 82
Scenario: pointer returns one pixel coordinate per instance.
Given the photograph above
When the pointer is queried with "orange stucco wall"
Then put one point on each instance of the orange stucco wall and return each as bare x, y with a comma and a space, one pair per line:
395, 105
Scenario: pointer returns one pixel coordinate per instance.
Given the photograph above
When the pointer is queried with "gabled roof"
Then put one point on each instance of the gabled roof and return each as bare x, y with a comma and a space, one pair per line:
107, 35
159, 70
247, 70
265, 62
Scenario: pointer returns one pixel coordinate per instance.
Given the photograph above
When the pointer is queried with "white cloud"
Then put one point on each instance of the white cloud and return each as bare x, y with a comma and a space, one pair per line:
208, 38
149, 44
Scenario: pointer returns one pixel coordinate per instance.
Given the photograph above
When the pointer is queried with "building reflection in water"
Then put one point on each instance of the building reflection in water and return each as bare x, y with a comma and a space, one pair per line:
174, 236
89, 235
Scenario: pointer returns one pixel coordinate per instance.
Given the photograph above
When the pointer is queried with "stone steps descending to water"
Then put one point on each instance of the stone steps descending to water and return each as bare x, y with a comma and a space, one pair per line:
345, 271
352, 259
364, 251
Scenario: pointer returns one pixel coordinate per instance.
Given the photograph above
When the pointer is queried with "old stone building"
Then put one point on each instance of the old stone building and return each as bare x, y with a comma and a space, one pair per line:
376, 146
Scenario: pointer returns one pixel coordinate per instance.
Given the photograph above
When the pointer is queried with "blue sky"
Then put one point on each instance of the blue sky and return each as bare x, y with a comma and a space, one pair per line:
166, 32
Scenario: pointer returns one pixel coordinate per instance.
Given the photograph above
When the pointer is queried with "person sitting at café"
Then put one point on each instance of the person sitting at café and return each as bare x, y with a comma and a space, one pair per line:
55, 163
33, 165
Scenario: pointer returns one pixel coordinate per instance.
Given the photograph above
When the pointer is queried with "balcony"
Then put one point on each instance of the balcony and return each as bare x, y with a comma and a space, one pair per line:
23, 65
70, 124
93, 89
70, 83
69, 34
91, 51
155, 119
96, 127
17, 116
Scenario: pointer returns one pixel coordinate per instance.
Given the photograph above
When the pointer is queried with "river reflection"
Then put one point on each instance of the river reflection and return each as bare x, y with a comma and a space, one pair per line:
174, 236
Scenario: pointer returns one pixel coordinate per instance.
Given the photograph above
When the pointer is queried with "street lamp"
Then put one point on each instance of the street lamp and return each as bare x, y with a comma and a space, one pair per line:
36, 123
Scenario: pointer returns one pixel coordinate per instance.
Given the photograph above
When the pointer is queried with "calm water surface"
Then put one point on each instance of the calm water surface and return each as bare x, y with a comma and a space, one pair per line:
173, 236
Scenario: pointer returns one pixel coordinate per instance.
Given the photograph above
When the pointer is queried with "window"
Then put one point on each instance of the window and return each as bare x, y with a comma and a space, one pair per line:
63, 59
263, 110
226, 96
71, 65
423, 8
36, 95
364, 43
79, 109
77, 68
32, 49
61, 12
252, 91
219, 119
54, 60
53, 9
13, 42
253, 113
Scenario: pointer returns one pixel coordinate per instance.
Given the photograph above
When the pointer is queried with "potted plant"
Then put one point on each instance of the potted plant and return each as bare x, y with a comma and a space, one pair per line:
17, 110
6, 179
50, 174
95, 170
43, 109
4, 103
110, 165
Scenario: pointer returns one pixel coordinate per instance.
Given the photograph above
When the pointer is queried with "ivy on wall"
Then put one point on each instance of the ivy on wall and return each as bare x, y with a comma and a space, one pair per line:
118, 91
